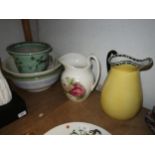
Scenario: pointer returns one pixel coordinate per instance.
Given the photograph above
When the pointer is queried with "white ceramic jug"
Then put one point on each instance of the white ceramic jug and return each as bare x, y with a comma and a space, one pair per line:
78, 79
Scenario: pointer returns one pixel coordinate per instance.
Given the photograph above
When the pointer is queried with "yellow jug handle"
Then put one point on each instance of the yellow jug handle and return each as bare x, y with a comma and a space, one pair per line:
110, 53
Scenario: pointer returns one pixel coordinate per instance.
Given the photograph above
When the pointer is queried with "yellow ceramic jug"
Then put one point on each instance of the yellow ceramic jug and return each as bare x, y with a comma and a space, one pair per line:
121, 96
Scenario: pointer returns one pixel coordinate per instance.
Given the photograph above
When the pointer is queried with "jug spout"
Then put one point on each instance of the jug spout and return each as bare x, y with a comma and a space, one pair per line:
63, 60
115, 59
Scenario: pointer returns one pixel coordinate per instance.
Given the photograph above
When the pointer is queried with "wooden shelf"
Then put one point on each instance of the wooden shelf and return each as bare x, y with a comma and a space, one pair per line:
51, 107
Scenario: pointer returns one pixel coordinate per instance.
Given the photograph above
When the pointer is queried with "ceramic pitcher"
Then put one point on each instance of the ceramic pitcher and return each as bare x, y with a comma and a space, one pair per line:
78, 78
121, 96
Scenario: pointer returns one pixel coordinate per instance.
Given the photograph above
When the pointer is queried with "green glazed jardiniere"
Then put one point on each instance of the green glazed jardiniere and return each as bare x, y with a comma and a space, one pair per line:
30, 57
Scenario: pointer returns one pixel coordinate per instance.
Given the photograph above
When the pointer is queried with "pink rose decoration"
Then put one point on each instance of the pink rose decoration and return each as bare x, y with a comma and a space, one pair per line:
78, 90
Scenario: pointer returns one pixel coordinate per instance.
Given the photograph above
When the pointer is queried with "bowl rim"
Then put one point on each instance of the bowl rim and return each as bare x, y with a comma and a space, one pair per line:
55, 65
10, 48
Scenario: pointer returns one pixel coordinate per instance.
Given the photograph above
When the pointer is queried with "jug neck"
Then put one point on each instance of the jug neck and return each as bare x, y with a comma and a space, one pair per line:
74, 61
125, 68
77, 67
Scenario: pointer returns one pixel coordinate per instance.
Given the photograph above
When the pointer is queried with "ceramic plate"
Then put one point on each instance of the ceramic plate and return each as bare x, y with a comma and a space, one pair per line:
77, 128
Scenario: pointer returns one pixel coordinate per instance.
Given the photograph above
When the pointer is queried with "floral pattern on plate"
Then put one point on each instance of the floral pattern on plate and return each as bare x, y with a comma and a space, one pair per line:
77, 128
85, 132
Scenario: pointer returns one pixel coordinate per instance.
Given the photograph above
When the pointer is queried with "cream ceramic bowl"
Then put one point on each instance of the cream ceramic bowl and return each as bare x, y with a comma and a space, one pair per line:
32, 82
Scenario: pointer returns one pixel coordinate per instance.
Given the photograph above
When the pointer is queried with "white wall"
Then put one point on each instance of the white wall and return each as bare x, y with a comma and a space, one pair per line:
132, 37
10, 32
34, 29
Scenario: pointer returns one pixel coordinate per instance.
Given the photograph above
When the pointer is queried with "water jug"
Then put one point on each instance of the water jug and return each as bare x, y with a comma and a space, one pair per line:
78, 79
121, 95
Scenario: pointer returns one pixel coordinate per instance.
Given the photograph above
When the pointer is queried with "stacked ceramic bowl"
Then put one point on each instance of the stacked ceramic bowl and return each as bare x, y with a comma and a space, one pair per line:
31, 66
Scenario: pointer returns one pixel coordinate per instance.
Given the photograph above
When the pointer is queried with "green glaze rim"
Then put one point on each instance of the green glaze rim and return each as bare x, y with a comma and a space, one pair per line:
12, 48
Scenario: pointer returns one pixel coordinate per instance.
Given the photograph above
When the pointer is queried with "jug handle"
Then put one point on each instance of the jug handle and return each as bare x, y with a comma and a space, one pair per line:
98, 69
110, 53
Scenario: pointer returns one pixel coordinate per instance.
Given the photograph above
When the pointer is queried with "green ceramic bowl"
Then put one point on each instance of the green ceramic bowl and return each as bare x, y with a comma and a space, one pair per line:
30, 57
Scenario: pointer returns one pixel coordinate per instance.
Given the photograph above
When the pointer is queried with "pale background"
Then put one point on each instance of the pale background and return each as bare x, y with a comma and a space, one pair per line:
93, 36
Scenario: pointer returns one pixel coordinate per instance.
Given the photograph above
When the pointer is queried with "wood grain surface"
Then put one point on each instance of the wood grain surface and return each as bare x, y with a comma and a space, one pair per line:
50, 108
